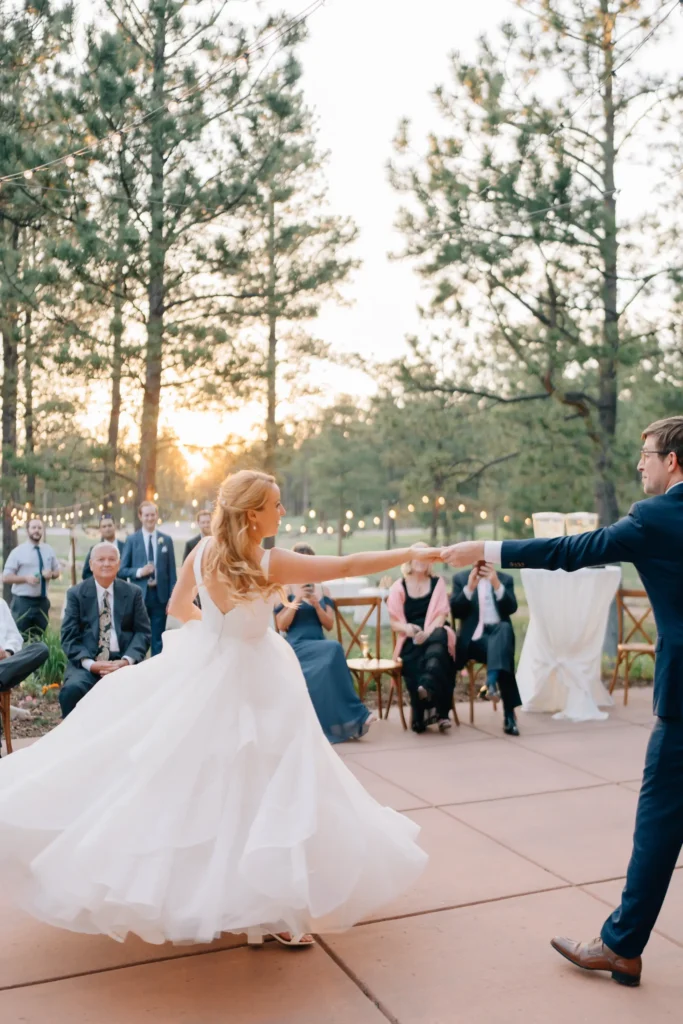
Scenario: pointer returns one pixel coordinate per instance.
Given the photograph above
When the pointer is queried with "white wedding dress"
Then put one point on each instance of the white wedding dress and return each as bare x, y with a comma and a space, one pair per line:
195, 794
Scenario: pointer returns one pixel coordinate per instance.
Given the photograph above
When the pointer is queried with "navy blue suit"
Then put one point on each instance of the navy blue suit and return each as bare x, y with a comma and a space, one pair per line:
156, 597
651, 537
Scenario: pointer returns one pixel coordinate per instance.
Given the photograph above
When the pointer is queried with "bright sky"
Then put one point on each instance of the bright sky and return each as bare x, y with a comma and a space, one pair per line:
367, 64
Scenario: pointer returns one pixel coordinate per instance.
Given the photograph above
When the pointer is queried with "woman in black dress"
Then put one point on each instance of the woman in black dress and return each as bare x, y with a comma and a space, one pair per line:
418, 606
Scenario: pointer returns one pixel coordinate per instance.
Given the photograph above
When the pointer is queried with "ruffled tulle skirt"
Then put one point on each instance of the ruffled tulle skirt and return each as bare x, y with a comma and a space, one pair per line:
196, 794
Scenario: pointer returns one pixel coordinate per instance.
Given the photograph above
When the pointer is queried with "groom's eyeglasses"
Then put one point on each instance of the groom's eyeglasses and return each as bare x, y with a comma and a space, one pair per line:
651, 451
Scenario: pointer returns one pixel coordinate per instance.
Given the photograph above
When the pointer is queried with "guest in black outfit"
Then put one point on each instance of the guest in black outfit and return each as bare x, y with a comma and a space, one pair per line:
16, 661
107, 533
204, 524
418, 608
484, 600
105, 627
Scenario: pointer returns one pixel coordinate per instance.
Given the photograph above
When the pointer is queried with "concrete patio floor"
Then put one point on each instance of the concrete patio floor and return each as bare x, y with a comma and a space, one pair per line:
528, 837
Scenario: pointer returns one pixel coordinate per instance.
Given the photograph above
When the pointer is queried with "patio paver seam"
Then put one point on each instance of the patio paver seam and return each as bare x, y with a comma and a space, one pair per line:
523, 796
360, 985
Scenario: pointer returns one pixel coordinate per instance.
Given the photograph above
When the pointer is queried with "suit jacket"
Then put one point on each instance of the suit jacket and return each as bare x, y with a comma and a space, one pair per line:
190, 546
81, 622
468, 611
87, 571
134, 557
651, 537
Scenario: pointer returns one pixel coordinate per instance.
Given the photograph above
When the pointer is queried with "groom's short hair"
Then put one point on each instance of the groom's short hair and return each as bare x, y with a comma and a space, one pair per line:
668, 435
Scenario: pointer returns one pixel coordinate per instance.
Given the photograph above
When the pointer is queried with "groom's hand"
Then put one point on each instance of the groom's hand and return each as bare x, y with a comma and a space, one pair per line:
468, 552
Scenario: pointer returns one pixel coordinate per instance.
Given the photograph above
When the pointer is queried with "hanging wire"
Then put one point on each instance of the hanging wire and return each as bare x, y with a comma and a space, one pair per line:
211, 79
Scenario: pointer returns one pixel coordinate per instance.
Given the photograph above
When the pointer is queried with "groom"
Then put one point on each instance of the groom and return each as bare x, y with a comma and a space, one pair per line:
650, 536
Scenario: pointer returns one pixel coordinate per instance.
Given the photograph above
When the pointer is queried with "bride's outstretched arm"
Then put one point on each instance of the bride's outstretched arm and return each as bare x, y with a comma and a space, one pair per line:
289, 567
181, 606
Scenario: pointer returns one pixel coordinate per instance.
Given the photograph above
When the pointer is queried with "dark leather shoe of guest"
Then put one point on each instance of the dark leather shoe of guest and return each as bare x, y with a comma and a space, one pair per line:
596, 956
510, 725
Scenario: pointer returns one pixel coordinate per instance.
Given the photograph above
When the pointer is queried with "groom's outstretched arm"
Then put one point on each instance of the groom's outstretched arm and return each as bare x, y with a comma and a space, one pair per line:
624, 541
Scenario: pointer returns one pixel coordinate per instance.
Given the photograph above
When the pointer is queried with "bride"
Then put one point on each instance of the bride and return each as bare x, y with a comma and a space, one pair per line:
195, 793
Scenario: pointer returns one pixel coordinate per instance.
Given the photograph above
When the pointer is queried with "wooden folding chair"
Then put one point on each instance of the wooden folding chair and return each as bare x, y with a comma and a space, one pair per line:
632, 622
474, 670
5, 718
364, 669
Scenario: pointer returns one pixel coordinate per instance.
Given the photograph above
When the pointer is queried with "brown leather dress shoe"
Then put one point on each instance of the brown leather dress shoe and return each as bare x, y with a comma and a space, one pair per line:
596, 956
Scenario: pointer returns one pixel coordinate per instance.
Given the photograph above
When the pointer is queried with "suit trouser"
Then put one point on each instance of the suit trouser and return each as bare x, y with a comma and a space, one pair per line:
657, 842
157, 617
77, 682
17, 667
496, 650
31, 614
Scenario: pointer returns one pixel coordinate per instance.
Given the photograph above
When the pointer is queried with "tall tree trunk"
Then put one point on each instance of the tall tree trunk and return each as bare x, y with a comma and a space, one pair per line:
157, 261
270, 459
10, 388
29, 445
433, 531
340, 531
116, 328
605, 494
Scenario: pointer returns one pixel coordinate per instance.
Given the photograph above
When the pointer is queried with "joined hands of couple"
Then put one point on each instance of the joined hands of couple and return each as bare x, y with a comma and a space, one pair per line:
459, 556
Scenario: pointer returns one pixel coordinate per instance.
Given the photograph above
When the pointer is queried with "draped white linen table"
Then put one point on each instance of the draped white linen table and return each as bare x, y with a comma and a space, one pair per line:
559, 669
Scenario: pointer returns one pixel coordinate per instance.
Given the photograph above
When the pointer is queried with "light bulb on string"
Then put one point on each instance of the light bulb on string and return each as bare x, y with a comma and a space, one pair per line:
411, 508
101, 508
302, 529
288, 527
483, 515
347, 528
70, 162
392, 513
320, 530
361, 524
330, 529
312, 514
28, 174
122, 500
194, 503
461, 508
377, 520
506, 519
425, 499
442, 501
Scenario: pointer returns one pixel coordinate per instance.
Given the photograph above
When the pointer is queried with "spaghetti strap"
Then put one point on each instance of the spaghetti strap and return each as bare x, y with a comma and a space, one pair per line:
265, 561
198, 560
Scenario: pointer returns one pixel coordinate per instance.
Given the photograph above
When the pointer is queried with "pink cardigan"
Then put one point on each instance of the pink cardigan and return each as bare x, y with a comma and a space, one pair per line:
437, 606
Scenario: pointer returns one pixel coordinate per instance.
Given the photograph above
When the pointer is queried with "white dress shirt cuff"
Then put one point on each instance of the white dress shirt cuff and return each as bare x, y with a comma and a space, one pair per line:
469, 594
500, 593
126, 657
86, 663
492, 551
138, 574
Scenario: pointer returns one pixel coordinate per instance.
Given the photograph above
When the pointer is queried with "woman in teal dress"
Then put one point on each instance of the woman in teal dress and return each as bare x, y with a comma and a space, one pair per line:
309, 611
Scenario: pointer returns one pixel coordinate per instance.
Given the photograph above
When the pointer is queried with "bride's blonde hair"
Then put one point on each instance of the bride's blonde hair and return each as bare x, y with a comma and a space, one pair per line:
229, 557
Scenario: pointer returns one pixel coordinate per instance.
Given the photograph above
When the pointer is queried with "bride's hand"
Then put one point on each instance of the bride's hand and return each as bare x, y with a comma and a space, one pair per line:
421, 554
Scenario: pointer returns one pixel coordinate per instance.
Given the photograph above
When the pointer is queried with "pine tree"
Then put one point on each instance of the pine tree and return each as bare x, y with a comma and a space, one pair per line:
514, 218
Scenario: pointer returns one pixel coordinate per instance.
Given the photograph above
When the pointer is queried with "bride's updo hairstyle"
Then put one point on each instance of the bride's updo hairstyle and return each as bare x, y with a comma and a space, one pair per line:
229, 557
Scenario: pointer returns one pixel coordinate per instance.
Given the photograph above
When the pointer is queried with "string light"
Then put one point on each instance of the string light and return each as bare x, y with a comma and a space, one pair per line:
302, 529
130, 494
177, 523
101, 508
122, 500
193, 526
425, 499
506, 519
392, 513
347, 528
361, 524
311, 514
349, 514
122, 520
156, 495
527, 522
92, 512
288, 527
320, 530
461, 508
482, 514
330, 529
411, 508
442, 500
377, 520
194, 503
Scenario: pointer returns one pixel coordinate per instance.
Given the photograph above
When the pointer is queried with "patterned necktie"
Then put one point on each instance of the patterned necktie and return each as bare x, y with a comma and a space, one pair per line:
105, 629
41, 566
150, 557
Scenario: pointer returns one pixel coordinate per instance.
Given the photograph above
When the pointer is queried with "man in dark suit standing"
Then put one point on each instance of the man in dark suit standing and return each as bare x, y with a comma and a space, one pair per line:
204, 524
651, 537
148, 560
484, 600
107, 533
104, 629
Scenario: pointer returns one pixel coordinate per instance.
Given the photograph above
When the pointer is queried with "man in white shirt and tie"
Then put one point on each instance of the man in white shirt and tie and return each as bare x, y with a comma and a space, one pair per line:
148, 560
483, 600
29, 568
105, 627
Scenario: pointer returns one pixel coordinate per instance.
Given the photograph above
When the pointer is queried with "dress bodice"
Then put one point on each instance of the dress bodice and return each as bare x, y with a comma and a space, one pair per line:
306, 625
416, 608
246, 621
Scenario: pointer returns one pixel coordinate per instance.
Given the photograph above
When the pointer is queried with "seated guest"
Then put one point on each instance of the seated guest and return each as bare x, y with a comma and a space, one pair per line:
204, 524
104, 629
108, 533
309, 611
16, 661
418, 607
484, 600
148, 561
